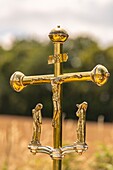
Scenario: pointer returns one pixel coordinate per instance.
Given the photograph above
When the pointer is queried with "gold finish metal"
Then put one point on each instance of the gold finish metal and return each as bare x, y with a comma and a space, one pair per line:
37, 121
16, 81
81, 128
60, 58
99, 75
58, 35
57, 153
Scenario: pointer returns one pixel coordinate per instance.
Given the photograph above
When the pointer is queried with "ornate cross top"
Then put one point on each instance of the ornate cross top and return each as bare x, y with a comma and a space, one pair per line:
19, 81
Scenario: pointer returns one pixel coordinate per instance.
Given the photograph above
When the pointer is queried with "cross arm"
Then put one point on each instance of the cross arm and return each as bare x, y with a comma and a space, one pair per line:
18, 80
98, 75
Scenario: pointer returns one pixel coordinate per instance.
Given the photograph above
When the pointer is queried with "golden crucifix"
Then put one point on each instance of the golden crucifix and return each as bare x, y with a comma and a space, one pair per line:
18, 81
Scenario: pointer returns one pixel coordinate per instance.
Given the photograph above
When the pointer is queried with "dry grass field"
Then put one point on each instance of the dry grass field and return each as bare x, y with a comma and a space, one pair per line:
16, 133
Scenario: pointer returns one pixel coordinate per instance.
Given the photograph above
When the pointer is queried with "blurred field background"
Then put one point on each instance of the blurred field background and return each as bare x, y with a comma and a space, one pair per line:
16, 133
30, 57
25, 47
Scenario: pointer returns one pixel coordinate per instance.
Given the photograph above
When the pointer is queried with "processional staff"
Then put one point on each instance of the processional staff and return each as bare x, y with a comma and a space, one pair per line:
19, 81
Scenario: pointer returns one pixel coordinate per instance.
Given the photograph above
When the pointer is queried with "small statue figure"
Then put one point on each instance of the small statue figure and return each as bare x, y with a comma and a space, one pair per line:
37, 121
81, 127
56, 103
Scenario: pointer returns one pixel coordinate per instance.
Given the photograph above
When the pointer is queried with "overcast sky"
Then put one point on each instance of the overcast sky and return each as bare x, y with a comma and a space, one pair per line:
38, 17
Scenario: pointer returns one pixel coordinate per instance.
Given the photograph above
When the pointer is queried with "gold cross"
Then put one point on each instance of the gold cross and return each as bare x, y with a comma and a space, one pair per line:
19, 81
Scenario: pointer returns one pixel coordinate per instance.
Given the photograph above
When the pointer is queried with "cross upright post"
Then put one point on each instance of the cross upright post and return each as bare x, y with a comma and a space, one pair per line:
19, 81
58, 36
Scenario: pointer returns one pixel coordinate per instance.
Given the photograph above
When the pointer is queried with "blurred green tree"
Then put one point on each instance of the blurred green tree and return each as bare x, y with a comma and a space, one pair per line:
30, 57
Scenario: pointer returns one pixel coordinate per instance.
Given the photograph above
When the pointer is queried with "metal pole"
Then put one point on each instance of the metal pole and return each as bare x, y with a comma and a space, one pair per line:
57, 131
58, 36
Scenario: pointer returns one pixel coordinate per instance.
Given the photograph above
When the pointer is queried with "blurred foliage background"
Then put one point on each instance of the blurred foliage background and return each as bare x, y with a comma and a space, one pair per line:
30, 56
